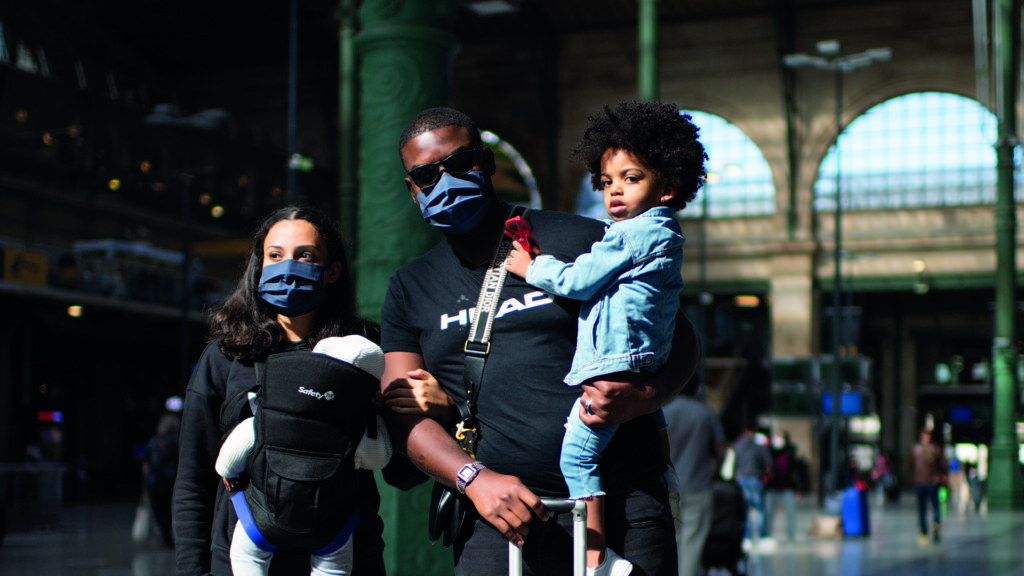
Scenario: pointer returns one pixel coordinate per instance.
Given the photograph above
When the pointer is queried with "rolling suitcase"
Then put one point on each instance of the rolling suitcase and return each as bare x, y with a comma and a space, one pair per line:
856, 521
579, 537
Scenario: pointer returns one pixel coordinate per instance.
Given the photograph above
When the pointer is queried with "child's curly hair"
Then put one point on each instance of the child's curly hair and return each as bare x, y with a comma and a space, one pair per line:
658, 135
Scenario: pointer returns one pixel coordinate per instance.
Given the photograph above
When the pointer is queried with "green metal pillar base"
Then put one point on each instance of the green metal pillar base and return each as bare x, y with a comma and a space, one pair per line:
1004, 481
407, 551
1005, 486
405, 54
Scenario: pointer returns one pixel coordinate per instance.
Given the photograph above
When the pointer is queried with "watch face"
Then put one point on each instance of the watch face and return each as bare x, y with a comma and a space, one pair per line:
467, 472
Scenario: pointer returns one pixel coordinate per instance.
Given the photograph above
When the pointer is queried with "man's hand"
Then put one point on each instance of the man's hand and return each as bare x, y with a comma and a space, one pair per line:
505, 503
620, 397
419, 394
617, 398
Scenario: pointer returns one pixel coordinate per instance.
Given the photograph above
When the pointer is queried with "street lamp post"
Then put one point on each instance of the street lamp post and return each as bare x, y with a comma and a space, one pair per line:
829, 58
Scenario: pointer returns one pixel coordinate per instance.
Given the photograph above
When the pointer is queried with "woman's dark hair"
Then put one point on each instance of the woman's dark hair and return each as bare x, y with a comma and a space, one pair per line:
247, 327
658, 135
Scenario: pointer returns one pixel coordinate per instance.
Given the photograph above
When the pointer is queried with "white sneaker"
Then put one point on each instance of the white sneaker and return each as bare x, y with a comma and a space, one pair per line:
613, 565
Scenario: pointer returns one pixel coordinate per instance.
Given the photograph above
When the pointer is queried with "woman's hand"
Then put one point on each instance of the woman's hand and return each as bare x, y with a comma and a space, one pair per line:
420, 394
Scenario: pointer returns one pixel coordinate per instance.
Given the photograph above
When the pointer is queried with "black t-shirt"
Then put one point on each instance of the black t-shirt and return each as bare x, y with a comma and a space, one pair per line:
523, 402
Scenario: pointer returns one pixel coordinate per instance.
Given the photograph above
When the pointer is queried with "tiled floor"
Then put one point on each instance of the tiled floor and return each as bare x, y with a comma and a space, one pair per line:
971, 545
91, 541
96, 541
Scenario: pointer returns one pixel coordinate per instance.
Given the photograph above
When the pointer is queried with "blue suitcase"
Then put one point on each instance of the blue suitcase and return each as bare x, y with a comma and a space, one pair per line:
856, 521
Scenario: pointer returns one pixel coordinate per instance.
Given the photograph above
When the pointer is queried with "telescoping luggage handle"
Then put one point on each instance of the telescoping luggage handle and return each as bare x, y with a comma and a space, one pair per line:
579, 536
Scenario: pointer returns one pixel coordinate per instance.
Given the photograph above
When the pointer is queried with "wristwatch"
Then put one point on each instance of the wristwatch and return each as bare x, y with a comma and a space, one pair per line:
466, 475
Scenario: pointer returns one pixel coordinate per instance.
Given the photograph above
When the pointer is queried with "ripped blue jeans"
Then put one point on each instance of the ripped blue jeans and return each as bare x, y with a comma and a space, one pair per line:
581, 452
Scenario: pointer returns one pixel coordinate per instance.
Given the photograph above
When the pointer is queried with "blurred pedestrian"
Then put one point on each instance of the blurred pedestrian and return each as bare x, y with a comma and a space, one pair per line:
956, 484
782, 485
159, 469
881, 475
697, 447
976, 484
753, 465
929, 473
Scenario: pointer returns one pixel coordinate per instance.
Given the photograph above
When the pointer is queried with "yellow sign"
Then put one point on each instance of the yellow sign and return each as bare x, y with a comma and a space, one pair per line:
25, 267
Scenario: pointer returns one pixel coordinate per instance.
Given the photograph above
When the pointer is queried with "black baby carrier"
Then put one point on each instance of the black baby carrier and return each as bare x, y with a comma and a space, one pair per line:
310, 415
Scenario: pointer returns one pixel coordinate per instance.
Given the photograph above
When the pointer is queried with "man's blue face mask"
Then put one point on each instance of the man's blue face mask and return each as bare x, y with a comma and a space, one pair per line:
455, 204
293, 287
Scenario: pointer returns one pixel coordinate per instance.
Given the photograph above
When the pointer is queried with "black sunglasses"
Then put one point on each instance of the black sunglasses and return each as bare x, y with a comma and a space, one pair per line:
456, 164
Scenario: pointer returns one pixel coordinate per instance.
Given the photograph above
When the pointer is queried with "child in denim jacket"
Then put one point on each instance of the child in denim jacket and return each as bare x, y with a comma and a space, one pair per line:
648, 161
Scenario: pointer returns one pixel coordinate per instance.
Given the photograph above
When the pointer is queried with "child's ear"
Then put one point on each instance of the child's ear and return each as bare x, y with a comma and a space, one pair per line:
667, 194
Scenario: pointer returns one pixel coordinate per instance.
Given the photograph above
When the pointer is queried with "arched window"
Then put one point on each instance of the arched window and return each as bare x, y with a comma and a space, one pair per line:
739, 179
513, 180
916, 150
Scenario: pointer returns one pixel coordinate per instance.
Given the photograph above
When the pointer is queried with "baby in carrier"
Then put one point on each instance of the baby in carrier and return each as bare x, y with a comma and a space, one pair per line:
314, 424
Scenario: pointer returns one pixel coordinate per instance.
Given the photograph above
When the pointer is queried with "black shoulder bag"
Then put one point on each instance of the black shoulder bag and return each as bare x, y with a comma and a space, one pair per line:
450, 511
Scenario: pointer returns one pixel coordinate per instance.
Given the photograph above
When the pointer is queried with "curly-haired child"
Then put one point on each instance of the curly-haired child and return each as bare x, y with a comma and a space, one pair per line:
646, 158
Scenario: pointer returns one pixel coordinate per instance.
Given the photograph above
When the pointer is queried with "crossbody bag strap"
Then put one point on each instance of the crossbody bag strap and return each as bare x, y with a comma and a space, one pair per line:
478, 343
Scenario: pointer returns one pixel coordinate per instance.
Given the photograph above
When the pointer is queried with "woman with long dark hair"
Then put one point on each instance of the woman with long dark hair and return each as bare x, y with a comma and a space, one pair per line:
295, 291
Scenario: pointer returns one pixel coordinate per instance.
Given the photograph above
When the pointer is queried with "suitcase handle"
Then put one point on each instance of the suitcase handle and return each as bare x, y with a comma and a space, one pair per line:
579, 536
563, 505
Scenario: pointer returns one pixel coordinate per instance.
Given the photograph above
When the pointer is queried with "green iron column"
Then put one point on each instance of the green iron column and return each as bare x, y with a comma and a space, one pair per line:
648, 50
405, 54
1004, 477
405, 64
347, 135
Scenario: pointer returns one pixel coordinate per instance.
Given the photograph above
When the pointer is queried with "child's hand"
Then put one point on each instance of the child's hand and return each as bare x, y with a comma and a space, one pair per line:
519, 259
230, 483
419, 394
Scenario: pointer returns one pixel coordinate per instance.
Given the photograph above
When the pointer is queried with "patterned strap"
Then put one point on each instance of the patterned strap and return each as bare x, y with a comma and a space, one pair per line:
478, 343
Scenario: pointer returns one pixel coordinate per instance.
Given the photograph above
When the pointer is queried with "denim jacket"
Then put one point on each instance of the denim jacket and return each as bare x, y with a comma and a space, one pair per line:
629, 283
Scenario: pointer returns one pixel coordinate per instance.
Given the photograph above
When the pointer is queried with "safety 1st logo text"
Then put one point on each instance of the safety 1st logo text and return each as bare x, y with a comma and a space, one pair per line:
329, 395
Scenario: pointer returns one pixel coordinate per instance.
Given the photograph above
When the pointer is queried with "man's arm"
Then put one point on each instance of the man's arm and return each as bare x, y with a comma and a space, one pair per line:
500, 499
615, 402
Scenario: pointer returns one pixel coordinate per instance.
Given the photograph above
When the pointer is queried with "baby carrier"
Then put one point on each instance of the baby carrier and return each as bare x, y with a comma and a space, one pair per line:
311, 412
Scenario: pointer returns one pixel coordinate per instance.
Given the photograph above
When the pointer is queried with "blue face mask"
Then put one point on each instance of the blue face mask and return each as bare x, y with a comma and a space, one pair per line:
293, 287
455, 204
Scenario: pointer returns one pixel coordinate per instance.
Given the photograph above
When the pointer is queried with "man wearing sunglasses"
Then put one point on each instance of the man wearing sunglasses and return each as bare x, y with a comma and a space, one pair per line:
522, 402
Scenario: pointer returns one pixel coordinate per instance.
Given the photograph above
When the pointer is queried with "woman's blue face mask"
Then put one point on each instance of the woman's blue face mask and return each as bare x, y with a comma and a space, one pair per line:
455, 204
293, 287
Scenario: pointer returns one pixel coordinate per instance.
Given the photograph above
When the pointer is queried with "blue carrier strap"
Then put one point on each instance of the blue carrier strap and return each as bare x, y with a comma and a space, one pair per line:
248, 524
342, 537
